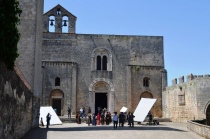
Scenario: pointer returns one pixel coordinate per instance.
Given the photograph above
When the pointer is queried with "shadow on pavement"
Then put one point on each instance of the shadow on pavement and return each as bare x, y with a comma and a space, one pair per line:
41, 133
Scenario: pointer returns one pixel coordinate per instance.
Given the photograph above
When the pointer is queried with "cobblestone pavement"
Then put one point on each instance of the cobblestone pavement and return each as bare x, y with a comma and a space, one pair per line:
166, 130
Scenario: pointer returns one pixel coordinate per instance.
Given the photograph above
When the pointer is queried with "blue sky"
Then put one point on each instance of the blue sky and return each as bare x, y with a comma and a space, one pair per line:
184, 24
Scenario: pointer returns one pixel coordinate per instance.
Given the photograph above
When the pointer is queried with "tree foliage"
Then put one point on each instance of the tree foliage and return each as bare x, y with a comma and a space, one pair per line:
9, 34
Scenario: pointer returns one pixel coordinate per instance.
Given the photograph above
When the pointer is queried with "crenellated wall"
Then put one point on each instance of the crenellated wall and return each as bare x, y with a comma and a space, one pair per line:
18, 107
187, 100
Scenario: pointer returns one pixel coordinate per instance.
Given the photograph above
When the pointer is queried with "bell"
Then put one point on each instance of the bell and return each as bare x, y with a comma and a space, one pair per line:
64, 24
51, 22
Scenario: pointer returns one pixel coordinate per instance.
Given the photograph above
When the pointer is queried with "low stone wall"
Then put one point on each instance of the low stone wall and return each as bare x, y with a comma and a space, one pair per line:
200, 129
17, 113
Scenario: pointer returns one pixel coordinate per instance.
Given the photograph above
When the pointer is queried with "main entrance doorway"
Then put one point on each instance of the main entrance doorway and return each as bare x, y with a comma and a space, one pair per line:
57, 106
100, 101
56, 101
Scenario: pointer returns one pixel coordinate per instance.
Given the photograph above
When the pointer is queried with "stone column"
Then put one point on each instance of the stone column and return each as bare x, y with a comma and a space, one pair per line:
111, 102
91, 101
58, 24
72, 25
46, 24
74, 86
164, 79
128, 87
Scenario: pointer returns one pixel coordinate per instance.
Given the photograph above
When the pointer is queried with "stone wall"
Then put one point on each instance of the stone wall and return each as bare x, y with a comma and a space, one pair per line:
154, 74
18, 107
200, 129
187, 100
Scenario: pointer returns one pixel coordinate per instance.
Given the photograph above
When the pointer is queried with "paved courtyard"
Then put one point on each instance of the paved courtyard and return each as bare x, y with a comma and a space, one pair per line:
166, 130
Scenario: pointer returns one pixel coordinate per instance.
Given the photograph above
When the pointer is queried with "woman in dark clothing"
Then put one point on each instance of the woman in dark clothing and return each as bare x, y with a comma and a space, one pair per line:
108, 118
78, 119
94, 119
121, 119
130, 118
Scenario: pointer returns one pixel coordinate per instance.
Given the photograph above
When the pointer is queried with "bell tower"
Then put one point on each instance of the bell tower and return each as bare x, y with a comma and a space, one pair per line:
58, 17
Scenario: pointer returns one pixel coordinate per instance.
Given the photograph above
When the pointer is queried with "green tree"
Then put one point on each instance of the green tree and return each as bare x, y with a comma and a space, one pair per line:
9, 34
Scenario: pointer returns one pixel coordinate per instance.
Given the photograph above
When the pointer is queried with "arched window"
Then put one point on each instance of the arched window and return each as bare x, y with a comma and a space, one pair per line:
104, 66
98, 62
101, 59
57, 81
146, 82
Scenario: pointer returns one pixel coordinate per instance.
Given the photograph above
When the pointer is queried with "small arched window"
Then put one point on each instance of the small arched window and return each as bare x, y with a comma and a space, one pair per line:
146, 82
57, 81
104, 66
98, 63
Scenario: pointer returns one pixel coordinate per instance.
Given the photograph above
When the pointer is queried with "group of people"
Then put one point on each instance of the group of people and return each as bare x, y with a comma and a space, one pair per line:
123, 117
104, 117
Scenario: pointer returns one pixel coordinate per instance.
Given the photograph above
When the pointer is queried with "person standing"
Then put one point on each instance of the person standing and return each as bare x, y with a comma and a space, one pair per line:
81, 112
98, 118
150, 117
102, 118
69, 112
78, 119
108, 117
94, 119
41, 122
121, 119
48, 118
88, 119
128, 118
131, 116
115, 120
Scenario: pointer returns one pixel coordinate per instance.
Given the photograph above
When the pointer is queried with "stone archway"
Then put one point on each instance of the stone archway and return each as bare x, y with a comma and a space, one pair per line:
101, 89
56, 101
208, 114
146, 95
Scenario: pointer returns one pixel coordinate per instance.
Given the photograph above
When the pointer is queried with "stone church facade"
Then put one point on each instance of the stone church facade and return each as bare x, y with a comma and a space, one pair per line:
82, 70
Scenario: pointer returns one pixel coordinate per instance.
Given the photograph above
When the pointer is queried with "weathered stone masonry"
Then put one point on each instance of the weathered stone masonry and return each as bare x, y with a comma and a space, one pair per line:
187, 100
18, 107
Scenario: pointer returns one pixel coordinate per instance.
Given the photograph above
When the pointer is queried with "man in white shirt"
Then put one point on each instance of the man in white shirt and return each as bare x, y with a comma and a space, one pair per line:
115, 120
